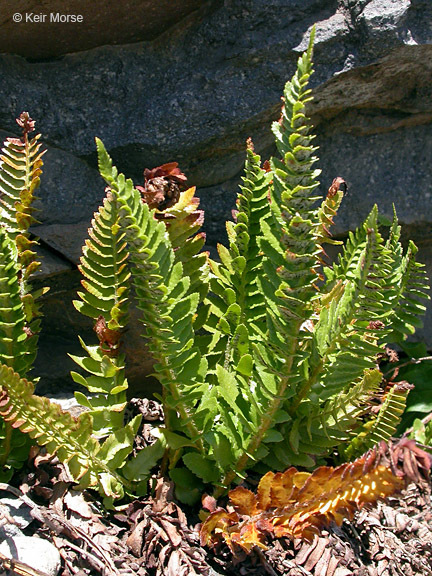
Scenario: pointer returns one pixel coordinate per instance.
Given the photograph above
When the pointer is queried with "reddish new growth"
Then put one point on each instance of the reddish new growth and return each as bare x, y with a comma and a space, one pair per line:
337, 184
375, 325
108, 339
162, 186
25, 122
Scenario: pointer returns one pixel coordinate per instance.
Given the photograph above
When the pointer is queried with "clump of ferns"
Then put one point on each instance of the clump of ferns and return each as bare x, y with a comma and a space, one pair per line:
266, 358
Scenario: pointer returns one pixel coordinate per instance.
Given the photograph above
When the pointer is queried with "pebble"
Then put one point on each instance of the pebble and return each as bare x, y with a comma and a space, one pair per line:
37, 553
18, 510
20, 514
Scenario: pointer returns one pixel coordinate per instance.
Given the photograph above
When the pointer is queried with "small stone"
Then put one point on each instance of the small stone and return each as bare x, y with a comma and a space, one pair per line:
37, 553
8, 531
18, 510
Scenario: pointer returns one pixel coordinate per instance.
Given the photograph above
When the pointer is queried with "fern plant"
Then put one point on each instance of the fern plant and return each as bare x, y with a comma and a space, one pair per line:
20, 170
268, 358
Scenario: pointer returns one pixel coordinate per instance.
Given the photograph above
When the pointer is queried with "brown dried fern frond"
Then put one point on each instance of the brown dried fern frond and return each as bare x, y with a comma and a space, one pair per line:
298, 504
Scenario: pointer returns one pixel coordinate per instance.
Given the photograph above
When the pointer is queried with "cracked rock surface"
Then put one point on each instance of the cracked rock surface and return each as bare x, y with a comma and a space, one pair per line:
193, 86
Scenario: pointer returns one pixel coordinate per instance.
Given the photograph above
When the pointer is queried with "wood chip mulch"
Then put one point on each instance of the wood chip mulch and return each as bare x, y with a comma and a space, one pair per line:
155, 536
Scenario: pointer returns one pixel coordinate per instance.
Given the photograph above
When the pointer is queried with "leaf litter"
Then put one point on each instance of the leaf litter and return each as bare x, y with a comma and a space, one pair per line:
156, 536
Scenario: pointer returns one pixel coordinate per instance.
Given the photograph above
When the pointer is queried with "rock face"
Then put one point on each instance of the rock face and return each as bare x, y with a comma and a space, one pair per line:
193, 90
89, 24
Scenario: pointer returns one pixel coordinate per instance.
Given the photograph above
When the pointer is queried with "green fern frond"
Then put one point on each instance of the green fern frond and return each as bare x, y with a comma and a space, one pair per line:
384, 425
90, 464
237, 308
20, 170
289, 243
290, 258
166, 306
104, 266
389, 415
105, 270
413, 287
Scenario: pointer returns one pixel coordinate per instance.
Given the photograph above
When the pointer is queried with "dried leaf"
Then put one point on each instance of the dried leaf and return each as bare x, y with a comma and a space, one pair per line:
76, 502
299, 504
162, 186
135, 539
209, 503
108, 339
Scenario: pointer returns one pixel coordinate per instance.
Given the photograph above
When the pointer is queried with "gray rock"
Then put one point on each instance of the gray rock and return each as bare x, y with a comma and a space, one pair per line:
70, 189
9, 530
35, 552
197, 94
123, 22
18, 510
52, 264
65, 239
194, 92
68, 403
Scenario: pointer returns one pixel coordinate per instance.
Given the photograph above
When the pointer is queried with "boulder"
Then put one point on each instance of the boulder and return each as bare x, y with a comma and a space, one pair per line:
200, 80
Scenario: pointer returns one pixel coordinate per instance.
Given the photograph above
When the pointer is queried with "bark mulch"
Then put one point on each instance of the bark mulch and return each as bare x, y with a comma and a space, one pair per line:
156, 536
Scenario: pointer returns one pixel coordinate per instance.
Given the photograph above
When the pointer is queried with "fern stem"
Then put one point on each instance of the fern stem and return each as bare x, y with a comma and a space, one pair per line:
6, 444
407, 363
27, 185
176, 395
267, 422
303, 392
